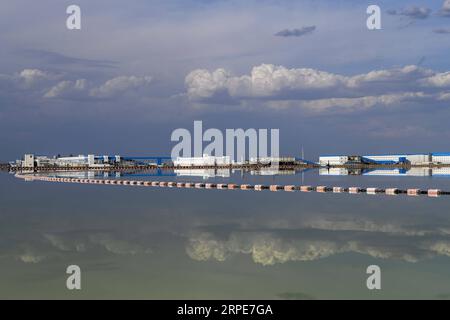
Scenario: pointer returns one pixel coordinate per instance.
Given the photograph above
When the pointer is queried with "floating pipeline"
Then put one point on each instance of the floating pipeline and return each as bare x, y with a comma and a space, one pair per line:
432, 193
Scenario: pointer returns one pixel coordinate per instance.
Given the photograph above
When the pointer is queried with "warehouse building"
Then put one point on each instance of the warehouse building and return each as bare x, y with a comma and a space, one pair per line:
273, 160
440, 158
206, 160
334, 160
413, 159
31, 161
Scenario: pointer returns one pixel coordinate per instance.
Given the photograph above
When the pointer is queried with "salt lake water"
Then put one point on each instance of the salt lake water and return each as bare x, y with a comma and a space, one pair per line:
169, 243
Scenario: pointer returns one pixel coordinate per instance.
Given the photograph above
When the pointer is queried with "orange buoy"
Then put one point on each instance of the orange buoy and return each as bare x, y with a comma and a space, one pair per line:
391, 191
434, 193
289, 188
413, 192
305, 188
353, 190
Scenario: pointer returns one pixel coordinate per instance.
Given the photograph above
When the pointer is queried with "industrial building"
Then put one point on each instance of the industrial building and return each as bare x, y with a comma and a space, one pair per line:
31, 161
206, 160
334, 160
412, 159
273, 160
440, 158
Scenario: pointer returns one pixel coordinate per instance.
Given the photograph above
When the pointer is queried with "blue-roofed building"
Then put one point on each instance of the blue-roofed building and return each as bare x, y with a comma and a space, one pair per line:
413, 159
441, 158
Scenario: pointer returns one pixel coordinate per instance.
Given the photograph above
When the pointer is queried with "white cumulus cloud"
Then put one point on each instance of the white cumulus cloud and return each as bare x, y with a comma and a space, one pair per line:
67, 89
317, 89
445, 10
32, 76
120, 85
82, 89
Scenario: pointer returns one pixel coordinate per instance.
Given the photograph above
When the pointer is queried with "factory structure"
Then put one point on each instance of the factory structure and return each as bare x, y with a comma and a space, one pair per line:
407, 159
206, 160
209, 161
31, 161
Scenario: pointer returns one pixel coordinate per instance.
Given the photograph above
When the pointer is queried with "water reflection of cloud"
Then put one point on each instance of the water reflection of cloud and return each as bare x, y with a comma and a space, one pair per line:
366, 226
57, 245
30, 253
265, 248
269, 240
281, 246
30, 257
63, 244
117, 246
441, 248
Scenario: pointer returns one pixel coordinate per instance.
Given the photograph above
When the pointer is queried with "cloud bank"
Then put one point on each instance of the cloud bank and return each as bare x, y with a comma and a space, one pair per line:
53, 86
318, 89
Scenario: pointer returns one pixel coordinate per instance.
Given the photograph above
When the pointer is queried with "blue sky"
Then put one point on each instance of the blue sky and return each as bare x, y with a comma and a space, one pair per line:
138, 70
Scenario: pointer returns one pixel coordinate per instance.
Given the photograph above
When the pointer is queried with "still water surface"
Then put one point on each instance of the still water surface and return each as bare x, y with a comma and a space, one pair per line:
159, 243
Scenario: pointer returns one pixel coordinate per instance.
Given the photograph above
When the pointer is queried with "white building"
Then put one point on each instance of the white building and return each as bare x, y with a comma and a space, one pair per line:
31, 161
440, 158
28, 161
206, 160
267, 160
333, 160
414, 159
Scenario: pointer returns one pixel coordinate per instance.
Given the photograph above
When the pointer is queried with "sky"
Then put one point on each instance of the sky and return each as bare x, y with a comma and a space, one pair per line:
138, 70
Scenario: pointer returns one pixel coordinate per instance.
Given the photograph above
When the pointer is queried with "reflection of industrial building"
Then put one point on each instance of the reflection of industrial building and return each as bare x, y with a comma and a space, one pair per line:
412, 159
268, 171
397, 172
441, 172
337, 172
204, 173
90, 174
